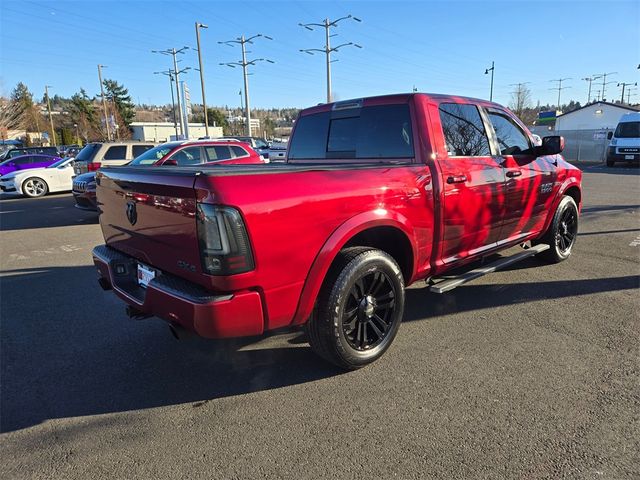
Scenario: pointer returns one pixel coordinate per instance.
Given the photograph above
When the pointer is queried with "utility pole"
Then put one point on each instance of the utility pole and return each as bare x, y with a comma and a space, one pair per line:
327, 24
104, 103
590, 80
629, 95
244, 63
173, 52
169, 73
486, 72
559, 88
204, 101
605, 83
624, 84
53, 132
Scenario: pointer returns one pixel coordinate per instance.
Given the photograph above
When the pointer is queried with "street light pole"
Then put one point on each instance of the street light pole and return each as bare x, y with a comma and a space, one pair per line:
104, 103
244, 63
327, 24
53, 132
486, 72
204, 101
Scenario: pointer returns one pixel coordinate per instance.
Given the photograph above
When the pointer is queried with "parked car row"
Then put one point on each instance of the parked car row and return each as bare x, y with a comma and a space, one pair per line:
28, 173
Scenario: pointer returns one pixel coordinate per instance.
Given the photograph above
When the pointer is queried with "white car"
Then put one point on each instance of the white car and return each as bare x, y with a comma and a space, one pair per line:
37, 182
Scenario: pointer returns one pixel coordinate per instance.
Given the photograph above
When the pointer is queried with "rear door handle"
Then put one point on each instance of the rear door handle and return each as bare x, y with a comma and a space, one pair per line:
457, 179
514, 173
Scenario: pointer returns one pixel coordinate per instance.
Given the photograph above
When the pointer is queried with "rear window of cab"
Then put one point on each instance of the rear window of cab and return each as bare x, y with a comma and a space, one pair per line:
375, 132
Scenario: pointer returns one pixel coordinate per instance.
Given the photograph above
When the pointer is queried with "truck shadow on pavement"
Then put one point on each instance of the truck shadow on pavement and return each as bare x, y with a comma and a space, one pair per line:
73, 352
55, 210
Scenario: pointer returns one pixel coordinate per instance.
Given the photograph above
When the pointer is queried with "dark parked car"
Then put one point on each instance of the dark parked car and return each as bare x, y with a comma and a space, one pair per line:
25, 162
17, 152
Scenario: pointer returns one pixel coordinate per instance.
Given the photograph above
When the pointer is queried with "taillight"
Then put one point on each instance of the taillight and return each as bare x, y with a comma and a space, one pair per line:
93, 166
224, 243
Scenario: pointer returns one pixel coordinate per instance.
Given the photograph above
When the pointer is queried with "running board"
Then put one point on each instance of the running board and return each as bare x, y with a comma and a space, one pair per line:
451, 283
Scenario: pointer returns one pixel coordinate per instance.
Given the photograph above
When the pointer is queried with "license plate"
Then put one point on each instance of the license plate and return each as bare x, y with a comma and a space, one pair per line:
145, 275
629, 157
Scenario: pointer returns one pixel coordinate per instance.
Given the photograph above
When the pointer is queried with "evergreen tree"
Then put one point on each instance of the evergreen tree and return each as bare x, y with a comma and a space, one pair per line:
119, 96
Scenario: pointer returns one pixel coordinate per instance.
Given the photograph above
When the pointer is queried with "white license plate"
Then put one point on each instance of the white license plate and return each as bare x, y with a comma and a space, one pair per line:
145, 275
628, 157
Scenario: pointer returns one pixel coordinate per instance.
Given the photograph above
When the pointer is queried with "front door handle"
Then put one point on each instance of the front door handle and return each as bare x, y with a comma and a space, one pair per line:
514, 173
457, 179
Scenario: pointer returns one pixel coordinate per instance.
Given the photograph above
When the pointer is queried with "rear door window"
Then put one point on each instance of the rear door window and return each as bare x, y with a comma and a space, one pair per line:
217, 152
23, 160
463, 130
140, 149
117, 152
376, 132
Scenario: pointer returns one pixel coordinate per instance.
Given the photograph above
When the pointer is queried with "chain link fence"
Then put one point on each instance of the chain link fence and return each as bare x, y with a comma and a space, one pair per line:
581, 145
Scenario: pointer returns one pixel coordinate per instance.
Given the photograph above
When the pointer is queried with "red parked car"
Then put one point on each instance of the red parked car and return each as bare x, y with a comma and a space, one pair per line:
189, 152
376, 194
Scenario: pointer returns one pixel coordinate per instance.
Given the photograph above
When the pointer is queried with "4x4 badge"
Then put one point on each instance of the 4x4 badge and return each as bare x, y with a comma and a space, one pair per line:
132, 213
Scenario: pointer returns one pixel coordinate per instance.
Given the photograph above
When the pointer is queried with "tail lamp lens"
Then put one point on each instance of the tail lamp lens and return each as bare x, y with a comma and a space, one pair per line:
93, 166
224, 243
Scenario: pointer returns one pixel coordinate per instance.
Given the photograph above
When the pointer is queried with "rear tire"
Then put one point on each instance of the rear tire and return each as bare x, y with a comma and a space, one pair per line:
359, 308
562, 233
34, 187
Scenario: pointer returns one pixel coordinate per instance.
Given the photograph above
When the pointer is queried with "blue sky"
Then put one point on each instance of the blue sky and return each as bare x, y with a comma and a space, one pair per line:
439, 47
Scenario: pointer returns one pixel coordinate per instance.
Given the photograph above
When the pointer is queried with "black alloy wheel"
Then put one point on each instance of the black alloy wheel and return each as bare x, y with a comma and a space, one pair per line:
368, 312
562, 233
359, 308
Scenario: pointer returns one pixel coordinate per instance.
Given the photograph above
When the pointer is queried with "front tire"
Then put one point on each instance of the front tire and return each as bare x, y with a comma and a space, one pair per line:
34, 187
610, 163
562, 233
359, 308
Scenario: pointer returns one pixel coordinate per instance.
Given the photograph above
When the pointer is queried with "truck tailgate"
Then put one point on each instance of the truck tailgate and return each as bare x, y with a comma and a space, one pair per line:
150, 215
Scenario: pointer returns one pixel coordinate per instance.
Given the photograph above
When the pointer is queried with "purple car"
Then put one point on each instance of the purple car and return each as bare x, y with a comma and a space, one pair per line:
25, 162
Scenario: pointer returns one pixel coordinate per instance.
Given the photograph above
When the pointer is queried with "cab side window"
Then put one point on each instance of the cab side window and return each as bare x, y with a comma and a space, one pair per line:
187, 156
511, 139
463, 130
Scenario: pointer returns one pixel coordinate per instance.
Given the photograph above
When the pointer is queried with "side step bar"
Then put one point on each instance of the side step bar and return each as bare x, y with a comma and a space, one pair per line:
451, 283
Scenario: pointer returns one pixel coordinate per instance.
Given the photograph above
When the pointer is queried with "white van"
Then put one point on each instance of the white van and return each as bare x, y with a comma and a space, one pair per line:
625, 141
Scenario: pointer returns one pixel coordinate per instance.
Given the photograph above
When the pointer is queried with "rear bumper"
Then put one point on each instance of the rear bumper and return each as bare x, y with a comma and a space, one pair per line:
178, 301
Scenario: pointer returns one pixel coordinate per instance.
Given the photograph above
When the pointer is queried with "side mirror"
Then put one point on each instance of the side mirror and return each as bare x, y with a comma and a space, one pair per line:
170, 162
552, 145
609, 135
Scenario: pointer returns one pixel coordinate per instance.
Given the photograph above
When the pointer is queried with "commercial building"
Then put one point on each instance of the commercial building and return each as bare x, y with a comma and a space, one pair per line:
165, 131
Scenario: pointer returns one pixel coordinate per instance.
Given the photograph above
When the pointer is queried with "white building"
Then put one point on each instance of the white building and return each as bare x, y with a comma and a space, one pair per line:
165, 131
595, 116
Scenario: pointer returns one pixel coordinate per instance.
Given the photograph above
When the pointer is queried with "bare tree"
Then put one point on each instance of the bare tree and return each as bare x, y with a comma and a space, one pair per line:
520, 99
10, 117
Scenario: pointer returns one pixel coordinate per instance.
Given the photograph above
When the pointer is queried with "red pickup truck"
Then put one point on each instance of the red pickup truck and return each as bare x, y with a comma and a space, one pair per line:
376, 194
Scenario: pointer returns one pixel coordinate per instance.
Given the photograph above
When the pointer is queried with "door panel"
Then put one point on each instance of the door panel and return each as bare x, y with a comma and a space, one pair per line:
473, 185
529, 179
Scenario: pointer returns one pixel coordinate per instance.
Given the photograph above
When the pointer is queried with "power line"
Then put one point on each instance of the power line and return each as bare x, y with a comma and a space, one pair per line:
624, 84
328, 49
173, 52
560, 87
604, 82
244, 63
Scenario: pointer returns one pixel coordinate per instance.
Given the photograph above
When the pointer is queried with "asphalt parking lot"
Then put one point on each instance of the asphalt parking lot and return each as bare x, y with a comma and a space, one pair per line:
532, 372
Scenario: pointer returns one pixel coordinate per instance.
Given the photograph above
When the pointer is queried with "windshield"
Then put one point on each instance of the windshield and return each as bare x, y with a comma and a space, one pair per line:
59, 163
261, 143
628, 130
88, 152
152, 156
